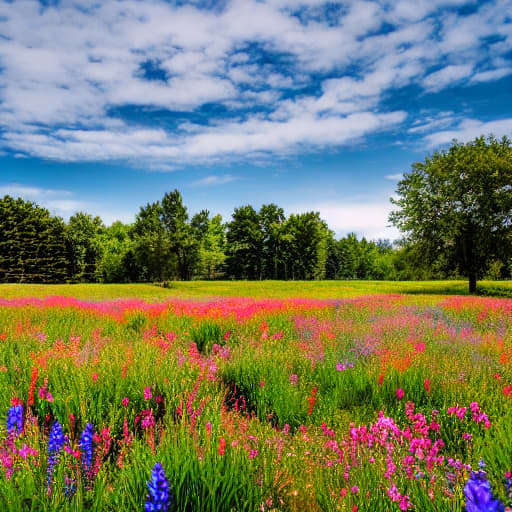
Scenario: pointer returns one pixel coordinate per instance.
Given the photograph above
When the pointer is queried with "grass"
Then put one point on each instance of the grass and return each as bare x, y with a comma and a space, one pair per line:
267, 289
391, 391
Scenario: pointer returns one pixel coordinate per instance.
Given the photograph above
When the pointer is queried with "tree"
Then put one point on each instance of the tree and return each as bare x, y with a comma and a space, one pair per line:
307, 246
244, 244
183, 244
82, 234
272, 219
151, 244
211, 238
456, 206
32, 244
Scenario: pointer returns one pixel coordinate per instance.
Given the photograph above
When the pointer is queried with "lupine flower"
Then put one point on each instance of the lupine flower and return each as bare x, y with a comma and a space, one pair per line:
86, 444
55, 444
478, 494
56, 439
15, 419
158, 496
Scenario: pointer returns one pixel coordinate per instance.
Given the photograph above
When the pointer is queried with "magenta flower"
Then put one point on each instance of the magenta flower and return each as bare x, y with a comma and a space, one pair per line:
399, 393
147, 393
125, 401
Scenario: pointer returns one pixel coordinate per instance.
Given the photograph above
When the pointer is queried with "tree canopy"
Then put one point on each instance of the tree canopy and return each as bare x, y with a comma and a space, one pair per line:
456, 207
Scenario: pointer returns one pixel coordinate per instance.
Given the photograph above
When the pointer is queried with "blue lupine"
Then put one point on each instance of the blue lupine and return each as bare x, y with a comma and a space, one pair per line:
86, 445
159, 494
15, 419
478, 494
55, 445
56, 439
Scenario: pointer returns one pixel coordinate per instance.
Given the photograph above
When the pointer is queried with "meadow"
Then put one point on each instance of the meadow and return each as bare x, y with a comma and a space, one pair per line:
263, 396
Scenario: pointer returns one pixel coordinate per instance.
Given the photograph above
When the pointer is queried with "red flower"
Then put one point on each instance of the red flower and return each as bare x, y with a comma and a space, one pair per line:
222, 446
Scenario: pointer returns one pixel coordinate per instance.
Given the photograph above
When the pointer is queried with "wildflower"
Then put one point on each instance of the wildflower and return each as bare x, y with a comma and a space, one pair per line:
253, 454
426, 385
294, 379
381, 379
478, 494
86, 444
312, 400
15, 419
399, 393
147, 393
125, 401
158, 491
222, 446
55, 444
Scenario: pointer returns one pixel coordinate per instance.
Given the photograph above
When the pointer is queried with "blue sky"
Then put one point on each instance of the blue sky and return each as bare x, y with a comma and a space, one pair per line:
310, 104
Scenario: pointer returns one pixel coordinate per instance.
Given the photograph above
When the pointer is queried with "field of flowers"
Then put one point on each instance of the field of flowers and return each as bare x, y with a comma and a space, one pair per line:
375, 403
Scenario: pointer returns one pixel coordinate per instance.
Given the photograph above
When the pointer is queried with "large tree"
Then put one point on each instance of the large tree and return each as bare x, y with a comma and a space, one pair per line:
32, 244
456, 206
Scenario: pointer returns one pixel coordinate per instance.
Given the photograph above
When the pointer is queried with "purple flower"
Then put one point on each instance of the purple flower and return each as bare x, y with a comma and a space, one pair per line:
86, 445
15, 419
158, 491
478, 494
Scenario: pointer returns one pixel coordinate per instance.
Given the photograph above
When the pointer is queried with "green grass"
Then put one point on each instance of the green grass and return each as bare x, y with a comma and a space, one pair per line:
267, 289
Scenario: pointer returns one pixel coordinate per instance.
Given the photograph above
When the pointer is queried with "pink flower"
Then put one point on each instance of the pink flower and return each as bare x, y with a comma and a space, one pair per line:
399, 393
354, 489
262, 383
253, 454
147, 393
94, 377
294, 379
125, 401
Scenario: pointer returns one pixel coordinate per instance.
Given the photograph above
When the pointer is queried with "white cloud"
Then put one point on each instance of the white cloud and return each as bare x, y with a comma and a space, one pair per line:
394, 177
365, 218
215, 180
469, 129
66, 70
449, 75
28, 192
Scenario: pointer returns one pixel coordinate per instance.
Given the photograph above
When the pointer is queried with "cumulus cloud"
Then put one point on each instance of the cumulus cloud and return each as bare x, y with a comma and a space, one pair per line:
214, 180
368, 218
469, 129
281, 75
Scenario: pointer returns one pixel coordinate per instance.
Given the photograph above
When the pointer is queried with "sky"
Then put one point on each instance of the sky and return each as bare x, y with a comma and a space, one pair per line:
312, 105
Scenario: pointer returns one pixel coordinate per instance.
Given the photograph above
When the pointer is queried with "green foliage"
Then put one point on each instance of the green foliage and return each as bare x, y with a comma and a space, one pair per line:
82, 235
32, 244
455, 207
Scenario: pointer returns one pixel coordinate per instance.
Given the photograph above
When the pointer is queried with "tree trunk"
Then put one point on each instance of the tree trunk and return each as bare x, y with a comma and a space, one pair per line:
472, 282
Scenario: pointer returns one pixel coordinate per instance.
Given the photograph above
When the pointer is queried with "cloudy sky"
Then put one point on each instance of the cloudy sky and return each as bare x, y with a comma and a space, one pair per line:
313, 105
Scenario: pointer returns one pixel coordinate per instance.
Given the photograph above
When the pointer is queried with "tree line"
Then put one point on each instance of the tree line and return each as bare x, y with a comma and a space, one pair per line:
454, 210
165, 243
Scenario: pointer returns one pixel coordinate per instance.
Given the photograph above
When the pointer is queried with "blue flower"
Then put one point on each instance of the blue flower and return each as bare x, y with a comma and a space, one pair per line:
478, 494
159, 495
56, 439
55, 444
86, 445
15, 419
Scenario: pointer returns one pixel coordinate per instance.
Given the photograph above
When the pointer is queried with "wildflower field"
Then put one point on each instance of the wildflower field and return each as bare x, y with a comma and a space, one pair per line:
380, 402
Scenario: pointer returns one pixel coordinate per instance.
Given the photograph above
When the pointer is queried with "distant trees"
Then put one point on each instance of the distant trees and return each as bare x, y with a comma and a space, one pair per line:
33, 246
455, 208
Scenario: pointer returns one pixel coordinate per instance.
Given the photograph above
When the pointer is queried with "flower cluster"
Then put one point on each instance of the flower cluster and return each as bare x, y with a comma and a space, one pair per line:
158, 491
